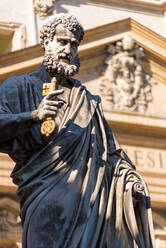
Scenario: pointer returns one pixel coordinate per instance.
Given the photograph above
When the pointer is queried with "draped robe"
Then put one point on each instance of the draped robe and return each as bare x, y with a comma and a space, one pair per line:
78, 189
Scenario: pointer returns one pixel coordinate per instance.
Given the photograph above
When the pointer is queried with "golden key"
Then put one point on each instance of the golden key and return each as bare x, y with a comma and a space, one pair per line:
48, 126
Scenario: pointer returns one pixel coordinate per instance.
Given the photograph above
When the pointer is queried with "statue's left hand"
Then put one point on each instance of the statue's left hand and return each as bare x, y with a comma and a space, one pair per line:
48, 107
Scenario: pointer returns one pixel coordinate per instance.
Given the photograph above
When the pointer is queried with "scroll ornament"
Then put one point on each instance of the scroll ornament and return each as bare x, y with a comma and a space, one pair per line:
125, 85
44, 7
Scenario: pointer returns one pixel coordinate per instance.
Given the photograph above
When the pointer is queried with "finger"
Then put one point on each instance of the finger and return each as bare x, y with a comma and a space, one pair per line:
51, 108
50, 113
54, 93
54, 103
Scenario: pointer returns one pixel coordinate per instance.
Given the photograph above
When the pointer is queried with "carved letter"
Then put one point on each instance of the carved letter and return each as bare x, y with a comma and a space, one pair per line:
151, 159
160, 160
138, 157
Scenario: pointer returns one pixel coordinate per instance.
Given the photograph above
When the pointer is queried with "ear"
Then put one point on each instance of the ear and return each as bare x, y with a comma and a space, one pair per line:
46, 43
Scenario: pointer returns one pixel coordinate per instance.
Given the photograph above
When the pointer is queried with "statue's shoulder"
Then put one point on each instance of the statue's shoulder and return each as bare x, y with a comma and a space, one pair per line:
77, 83
14, 81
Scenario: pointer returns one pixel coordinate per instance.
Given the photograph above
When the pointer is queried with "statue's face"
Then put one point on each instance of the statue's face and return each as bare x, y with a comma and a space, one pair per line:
64, 45
61, 59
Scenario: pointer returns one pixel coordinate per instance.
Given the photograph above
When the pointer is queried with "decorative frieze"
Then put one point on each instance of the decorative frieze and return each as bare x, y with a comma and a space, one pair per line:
44, 8
125, 85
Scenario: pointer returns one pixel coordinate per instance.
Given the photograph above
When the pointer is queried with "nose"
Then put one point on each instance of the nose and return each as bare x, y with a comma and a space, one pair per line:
68, 48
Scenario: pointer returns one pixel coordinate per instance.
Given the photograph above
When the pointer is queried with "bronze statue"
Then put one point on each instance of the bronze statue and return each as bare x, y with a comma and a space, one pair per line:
77, 187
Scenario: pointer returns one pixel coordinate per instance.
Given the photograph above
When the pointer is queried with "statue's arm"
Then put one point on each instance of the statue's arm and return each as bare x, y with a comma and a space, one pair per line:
13, 124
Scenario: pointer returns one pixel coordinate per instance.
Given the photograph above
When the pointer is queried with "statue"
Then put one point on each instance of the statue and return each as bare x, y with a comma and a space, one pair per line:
77, 187
44, 7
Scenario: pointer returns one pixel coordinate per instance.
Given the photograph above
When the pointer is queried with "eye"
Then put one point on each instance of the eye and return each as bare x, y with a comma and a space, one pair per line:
62, 42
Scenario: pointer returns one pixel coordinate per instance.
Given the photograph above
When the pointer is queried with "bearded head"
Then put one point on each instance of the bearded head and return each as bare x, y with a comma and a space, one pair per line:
60, 36
56, 65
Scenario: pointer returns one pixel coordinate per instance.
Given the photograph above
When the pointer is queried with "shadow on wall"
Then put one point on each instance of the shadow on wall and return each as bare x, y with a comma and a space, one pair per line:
61, 9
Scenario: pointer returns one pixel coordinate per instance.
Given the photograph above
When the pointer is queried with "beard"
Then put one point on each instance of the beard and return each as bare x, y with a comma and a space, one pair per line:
61, 70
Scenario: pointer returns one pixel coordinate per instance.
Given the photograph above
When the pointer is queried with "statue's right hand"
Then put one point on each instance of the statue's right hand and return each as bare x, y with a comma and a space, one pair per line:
48, 106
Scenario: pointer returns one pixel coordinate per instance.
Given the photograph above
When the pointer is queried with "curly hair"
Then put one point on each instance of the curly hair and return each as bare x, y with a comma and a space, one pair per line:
48, 29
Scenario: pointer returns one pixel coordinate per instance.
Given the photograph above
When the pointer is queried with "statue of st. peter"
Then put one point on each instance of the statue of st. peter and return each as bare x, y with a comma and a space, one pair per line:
77, 187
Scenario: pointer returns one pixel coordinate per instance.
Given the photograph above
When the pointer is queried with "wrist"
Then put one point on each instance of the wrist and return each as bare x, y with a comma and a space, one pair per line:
34, 116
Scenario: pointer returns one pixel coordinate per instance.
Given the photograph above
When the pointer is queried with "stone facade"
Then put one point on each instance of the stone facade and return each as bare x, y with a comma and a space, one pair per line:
122, 59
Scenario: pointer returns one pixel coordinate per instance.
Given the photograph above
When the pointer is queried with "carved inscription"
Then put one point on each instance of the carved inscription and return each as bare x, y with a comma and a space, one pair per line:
146, 157
125, 85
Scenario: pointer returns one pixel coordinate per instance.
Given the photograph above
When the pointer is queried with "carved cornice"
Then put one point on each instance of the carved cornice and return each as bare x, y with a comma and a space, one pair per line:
7, 28
155, 6
17, 31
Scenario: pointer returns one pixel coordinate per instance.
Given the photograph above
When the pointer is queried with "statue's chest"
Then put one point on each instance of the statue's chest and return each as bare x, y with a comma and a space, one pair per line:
61, 111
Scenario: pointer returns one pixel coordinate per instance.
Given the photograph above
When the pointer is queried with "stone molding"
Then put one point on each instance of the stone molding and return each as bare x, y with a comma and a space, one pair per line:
138, 123
8, 27
155, 6
19, 33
